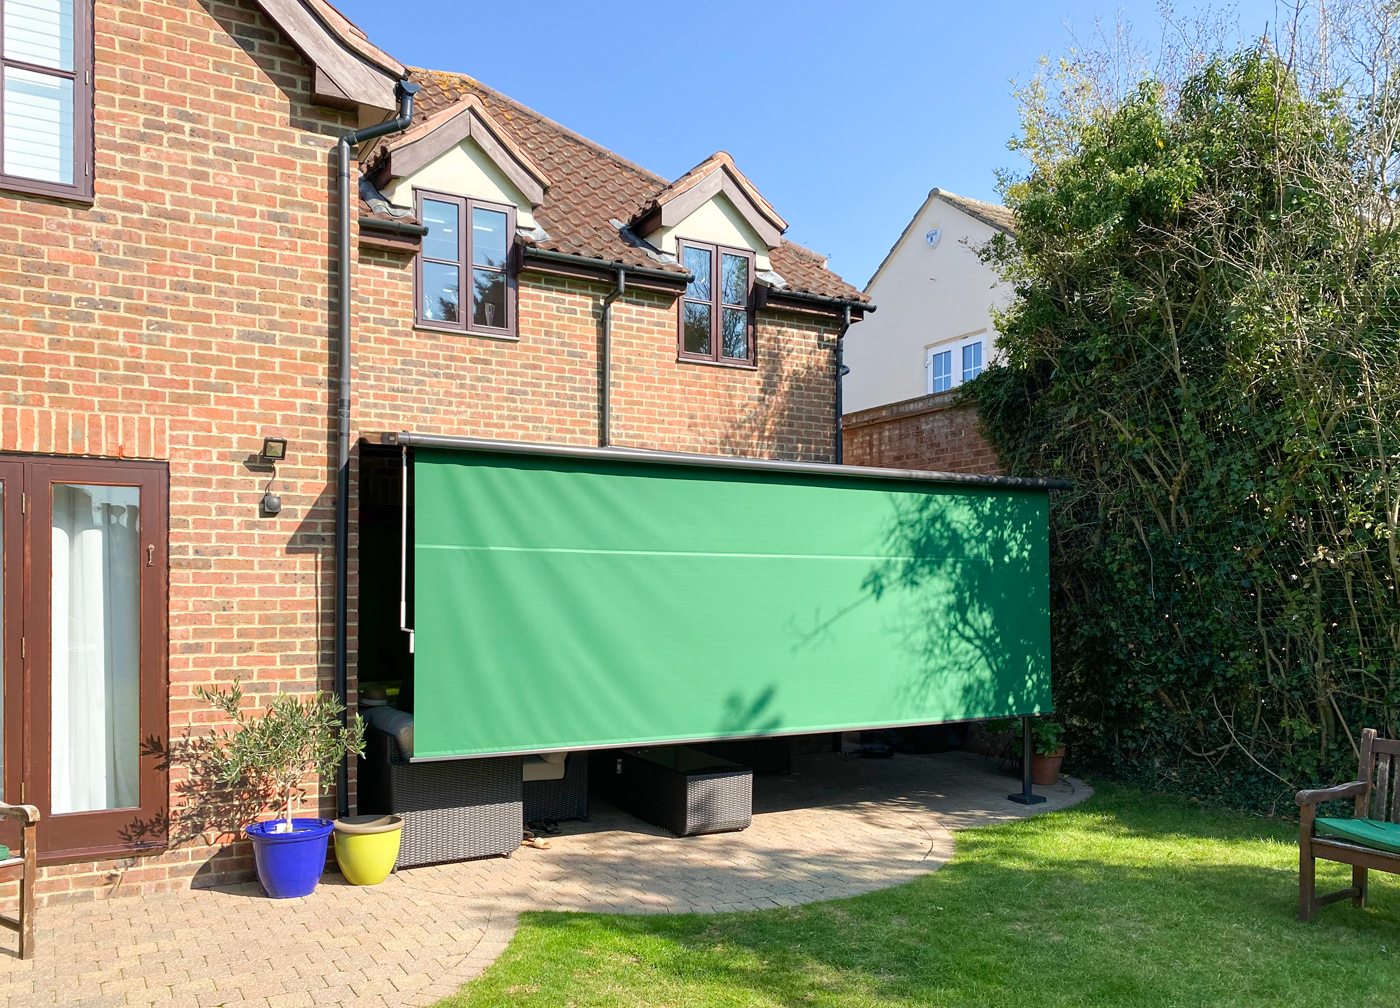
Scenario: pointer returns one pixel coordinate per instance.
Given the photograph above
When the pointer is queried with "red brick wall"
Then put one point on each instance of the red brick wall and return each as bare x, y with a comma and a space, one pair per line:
932, 432
183, 317
545, 386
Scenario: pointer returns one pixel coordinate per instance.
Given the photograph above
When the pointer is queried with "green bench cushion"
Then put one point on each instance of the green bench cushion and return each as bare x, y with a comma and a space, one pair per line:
1366, 832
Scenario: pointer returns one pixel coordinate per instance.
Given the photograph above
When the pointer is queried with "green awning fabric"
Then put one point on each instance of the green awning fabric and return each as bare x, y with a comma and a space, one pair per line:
567, 603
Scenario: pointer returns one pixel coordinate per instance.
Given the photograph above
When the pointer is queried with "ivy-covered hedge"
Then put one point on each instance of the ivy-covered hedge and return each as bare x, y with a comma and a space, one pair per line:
1203, 339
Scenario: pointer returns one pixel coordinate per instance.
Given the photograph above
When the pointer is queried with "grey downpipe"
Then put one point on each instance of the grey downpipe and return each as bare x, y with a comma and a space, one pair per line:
605, 363
841, 372
405, 92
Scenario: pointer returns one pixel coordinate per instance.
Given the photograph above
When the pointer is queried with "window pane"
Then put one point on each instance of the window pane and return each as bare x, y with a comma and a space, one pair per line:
942, 371
39, 32
489, 238
441, 221
38, 126
971, 361
697, 328
489, 298
736, 333
441, 291
698, 262
735, 279
95, 585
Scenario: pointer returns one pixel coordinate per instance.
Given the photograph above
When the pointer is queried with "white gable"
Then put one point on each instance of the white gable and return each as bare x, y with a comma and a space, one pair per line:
933, 298
718, 222
463, 170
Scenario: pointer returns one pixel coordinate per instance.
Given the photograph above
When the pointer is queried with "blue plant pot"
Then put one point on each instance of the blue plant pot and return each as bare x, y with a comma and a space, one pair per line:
290, 864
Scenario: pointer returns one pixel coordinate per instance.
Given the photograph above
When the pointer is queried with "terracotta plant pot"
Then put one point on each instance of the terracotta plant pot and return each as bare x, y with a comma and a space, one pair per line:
1046, 769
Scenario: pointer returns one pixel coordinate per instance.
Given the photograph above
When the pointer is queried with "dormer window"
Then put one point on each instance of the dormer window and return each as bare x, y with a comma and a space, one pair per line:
716, 321
465, 277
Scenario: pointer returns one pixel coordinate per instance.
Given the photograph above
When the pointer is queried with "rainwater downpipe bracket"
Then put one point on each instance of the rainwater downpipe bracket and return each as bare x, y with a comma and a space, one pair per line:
405, 90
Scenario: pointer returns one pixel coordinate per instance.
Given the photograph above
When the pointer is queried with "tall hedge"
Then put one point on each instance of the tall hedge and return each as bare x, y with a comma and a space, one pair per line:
1203, 339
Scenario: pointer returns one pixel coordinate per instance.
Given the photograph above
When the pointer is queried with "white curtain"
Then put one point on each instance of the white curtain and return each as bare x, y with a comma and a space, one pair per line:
96, 647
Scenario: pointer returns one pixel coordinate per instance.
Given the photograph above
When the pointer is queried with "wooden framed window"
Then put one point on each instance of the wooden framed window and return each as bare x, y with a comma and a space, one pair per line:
465, 275
46, 128
83, 684
716, 314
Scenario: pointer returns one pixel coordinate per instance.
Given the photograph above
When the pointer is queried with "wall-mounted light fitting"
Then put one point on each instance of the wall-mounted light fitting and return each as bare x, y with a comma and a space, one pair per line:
274, 450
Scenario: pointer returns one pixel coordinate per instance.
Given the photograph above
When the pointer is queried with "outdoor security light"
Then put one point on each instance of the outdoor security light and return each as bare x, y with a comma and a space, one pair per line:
274, 449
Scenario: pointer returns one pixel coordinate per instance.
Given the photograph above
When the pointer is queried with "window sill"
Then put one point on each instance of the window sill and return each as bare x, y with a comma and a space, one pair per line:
105, 852
708, 362
498, 337
18, 189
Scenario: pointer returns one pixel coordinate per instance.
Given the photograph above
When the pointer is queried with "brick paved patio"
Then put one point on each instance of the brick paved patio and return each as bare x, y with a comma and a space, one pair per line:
836, 827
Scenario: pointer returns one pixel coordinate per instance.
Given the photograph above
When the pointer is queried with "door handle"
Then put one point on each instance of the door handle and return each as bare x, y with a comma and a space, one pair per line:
150, 555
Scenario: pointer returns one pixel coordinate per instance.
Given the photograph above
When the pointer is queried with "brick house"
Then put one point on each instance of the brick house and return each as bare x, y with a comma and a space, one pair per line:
935, 330
168, 265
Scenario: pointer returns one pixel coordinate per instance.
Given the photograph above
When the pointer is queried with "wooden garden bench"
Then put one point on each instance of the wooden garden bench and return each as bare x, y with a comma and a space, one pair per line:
1370, 839
22, 867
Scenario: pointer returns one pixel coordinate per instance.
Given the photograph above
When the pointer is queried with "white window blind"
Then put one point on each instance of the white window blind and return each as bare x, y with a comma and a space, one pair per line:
38, 126
39, 32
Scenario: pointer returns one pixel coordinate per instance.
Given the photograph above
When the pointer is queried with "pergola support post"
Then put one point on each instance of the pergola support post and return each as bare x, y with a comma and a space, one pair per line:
1026, 796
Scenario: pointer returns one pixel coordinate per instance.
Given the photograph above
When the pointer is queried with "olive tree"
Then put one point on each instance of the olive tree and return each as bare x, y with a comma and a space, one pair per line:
277, 751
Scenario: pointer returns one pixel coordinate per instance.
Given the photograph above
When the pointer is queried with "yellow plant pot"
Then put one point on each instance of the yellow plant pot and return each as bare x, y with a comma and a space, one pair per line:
366, 847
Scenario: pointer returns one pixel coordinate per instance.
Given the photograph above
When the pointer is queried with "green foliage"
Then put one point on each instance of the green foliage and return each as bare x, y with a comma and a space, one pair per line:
1047, 734
1131, 900
277, 750
1203, 340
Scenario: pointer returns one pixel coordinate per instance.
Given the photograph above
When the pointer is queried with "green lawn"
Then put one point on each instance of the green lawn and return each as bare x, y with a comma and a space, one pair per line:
1129, 899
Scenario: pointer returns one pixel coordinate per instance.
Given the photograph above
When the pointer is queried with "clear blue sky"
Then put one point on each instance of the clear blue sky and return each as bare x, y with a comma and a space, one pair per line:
844, 115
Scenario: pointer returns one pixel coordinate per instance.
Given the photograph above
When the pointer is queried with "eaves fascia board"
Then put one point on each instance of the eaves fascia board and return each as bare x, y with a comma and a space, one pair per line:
351, 79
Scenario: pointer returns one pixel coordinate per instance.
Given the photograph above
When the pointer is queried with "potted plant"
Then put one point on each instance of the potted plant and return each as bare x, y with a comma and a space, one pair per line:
1047, 741
275, 753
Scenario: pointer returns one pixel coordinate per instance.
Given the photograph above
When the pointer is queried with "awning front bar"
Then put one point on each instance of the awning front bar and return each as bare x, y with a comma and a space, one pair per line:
410, 440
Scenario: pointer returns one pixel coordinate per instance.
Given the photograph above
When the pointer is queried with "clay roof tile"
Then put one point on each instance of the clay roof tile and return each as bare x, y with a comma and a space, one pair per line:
590, 185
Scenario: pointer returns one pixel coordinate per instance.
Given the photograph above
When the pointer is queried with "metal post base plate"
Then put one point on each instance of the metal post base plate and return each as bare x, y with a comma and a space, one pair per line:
1026, 799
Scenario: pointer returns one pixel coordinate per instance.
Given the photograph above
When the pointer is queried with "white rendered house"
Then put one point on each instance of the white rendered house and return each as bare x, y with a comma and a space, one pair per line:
934, 329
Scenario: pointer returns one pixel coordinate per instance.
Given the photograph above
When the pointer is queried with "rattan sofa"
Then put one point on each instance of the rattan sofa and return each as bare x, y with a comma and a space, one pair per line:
562, 799
453, 810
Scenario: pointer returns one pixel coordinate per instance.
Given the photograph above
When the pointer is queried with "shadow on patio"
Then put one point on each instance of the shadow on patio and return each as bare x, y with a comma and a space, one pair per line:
835, 827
